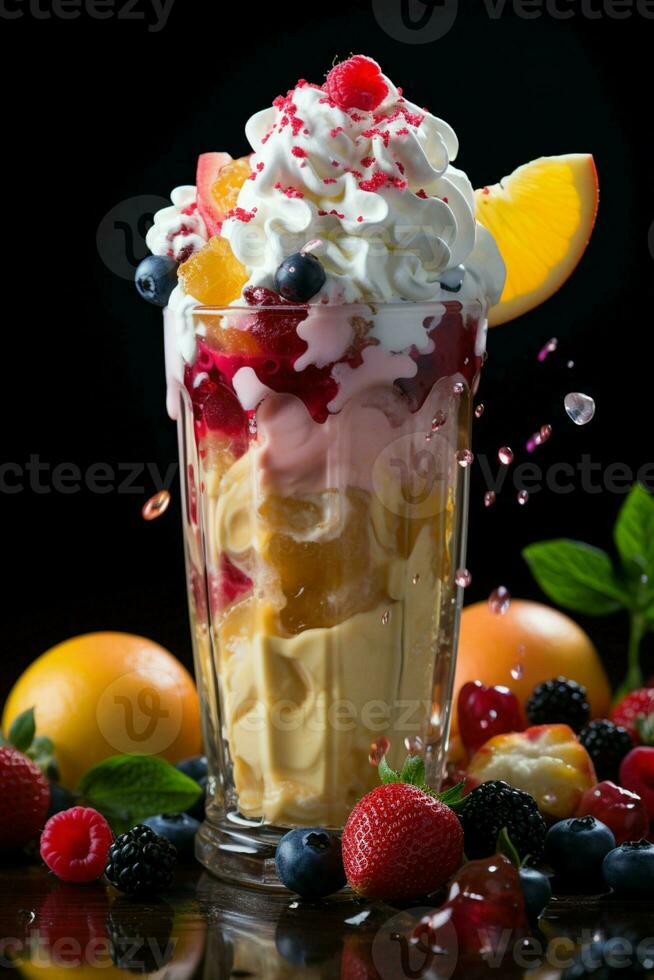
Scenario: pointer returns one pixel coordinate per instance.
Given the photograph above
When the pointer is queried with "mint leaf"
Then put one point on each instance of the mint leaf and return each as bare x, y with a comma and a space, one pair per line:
413, 771
129, 788
386, 774
577, 576
506, 847
634, 531
22, 731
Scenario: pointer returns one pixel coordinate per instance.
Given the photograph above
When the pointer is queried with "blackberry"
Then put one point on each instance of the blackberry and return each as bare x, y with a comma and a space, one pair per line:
607, 745
559, 702
141, 862
141, 935
495, 805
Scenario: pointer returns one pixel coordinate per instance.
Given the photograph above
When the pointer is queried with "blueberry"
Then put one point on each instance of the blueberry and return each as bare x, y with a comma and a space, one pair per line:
309, 861
178, 828
60, 799
452, 279
576, 847
299, 277
630, 868
155, 278
196, 768
537, 891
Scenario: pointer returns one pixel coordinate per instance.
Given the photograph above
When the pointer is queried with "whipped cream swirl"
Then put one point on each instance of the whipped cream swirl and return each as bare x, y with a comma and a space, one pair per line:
376, 195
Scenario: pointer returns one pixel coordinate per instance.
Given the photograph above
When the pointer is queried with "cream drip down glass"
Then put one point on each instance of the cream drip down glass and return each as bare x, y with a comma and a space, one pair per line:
324, 445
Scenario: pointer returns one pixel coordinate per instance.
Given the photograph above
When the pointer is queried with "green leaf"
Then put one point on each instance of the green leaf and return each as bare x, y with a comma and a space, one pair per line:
129, 788
506, 847
577, 576
413, 771
634, 531
386, 774
22, 731
454, 798
42, 752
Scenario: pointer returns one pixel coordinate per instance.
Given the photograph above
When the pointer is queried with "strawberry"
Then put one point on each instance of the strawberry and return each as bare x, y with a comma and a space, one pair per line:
24, 798
635, 712
401, 841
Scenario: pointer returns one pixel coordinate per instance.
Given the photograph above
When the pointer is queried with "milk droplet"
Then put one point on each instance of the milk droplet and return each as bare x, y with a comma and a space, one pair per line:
523, 497
480, 409
416, 578
378, 750
155, 506
545, 432
458, 388
499, 600
465, 457
439, 419
548, 349
533, 442
580, 407
505, 455
413, 744
463, 578
570, 364
489, 498
386, 618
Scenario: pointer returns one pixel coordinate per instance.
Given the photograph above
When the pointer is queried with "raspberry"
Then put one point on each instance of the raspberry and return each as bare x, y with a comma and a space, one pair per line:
356, 84
75, 844
24, 799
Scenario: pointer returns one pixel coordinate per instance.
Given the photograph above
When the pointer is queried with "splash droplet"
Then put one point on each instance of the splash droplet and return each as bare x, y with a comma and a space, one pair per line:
533, 442
25, 917
378, 750
439, 419
480, 409
489, 498
465, 457
517, 671
463, 578
416, 578
570, 364
523, 497
413, 744
580, 407
252, 425
548, 349
156, 506
505, 455
458, 388
499, 600
386, 618
545, 432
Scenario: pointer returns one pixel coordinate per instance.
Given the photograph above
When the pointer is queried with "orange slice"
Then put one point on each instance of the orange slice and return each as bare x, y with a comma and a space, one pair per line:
541, 217
214, 276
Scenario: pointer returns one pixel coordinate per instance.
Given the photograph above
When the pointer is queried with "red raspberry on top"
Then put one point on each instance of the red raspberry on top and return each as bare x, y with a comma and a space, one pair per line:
356, 84
75, 844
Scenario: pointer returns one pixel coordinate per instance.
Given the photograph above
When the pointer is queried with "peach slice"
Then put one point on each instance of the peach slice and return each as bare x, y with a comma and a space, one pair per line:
214, 276
546, 761
541, 217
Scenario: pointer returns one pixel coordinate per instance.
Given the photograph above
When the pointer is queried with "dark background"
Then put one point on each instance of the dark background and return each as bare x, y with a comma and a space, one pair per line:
114, 111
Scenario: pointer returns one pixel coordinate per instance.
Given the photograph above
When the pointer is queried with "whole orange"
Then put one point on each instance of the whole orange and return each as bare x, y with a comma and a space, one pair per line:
104, 694
522, 647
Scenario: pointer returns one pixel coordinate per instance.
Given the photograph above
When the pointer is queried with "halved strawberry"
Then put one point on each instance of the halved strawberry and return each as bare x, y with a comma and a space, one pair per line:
209, 166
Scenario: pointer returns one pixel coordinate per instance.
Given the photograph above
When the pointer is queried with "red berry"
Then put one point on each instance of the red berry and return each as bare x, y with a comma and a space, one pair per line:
622, 811
399, 842
356, 84
487, 711
484, 906
637, 774
75, 844
635, 711
24, 798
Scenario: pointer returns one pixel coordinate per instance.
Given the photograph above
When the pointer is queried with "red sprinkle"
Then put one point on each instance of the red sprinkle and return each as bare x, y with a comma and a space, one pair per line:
367, 162
241, 214
423, 194
336, 130
299, 151
329, 180
288, 191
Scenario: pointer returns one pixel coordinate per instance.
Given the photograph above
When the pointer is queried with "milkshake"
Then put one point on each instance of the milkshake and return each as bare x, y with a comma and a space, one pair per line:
324, 338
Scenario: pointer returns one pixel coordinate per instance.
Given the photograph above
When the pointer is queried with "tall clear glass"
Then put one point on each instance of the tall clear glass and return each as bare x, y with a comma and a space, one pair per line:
325, 495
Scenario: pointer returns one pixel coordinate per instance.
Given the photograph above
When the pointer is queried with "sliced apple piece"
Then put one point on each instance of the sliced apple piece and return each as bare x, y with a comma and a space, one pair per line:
541, 217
